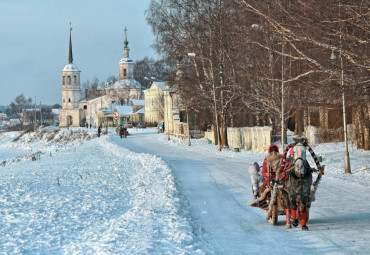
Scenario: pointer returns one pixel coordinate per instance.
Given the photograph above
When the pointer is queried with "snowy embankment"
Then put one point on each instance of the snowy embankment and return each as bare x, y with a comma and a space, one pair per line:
89, 197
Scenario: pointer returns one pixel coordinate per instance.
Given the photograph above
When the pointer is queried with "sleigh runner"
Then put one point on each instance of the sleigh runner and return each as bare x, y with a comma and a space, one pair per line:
293, 193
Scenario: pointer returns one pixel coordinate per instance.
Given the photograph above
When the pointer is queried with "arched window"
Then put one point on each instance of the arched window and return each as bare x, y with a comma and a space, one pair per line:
75, 80
68, 80
69, 100
124, 72
85, 107
64, 80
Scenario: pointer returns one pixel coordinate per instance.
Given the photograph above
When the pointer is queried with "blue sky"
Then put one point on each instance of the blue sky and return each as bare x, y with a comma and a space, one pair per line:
35, 35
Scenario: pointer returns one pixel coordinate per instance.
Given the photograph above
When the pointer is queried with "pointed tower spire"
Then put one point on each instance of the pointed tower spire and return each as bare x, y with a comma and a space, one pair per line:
70, 56
126, 49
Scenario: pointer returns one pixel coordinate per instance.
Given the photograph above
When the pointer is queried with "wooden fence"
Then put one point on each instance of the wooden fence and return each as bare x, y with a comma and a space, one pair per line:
250, 138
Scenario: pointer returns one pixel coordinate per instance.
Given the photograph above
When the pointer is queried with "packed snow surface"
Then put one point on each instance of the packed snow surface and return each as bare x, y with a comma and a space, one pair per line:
146, 194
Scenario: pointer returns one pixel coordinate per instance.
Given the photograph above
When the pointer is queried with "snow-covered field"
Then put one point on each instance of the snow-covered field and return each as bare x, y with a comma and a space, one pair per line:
148, 195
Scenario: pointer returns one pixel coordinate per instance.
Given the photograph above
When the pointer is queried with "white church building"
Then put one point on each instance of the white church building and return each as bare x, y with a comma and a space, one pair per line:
77, 112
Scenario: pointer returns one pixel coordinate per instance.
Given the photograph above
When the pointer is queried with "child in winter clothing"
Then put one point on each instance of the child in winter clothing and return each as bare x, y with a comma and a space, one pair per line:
256, 178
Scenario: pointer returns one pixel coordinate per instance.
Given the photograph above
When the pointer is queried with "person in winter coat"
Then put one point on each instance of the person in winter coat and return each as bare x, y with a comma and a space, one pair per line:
160, 128
271, 165
120, 131
256, 178
99, 131
272, 162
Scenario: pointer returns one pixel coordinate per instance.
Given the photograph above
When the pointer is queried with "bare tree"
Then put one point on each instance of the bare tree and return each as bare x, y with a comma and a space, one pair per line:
312, 33
276, 58
160, 70
205, 28
18, 105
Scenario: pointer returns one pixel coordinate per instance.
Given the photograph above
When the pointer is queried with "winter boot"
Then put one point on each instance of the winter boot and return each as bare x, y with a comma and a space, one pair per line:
295, 217
287, 222
303, 220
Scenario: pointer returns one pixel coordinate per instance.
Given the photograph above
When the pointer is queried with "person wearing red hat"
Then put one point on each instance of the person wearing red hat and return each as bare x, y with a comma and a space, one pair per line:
270, 166
272, 162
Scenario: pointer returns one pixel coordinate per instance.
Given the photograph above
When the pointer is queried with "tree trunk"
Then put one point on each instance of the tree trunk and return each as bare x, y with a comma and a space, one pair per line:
298, 123
223, 128
215, 131
359, 128
305, 118
367, 127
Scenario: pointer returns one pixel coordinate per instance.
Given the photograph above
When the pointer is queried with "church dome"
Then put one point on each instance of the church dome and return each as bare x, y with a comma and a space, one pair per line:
126, 84
126, 60
71, 68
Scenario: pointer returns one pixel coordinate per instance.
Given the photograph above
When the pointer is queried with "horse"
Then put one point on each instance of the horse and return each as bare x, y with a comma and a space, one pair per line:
299, 184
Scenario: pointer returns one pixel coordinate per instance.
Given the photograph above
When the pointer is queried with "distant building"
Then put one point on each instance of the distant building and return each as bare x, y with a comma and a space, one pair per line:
4, 121
28, 116
71, 115
154, 103
55, 113
14, 122
173, 113
126, 88
77, 112
3, 116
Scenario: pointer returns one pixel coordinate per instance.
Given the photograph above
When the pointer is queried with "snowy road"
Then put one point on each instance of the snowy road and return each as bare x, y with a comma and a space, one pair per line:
217, 186
148, 195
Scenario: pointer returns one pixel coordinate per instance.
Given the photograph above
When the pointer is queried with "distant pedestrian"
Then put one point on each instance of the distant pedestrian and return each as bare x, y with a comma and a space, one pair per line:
160, 128
120, 131
99, 131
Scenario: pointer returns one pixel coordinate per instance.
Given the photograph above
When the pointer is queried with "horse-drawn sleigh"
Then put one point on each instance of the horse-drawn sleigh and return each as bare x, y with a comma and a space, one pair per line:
292, 190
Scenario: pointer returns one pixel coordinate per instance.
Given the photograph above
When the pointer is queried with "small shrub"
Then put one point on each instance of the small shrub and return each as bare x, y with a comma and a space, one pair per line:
50, 137
30, 129
19, 136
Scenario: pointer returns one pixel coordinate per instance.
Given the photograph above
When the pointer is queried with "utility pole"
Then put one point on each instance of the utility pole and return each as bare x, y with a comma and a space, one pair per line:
347, 164
187, 119
40, 114
35, 113
169, 114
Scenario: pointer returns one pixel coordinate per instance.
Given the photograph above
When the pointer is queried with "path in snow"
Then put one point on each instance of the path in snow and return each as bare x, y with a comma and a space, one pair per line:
217, 186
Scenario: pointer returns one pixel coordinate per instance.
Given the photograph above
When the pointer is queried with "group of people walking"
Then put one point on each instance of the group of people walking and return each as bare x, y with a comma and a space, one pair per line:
122, 131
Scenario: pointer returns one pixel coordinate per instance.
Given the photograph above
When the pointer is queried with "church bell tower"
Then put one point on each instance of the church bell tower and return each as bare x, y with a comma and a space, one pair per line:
70, 115
71, 90
126, 64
